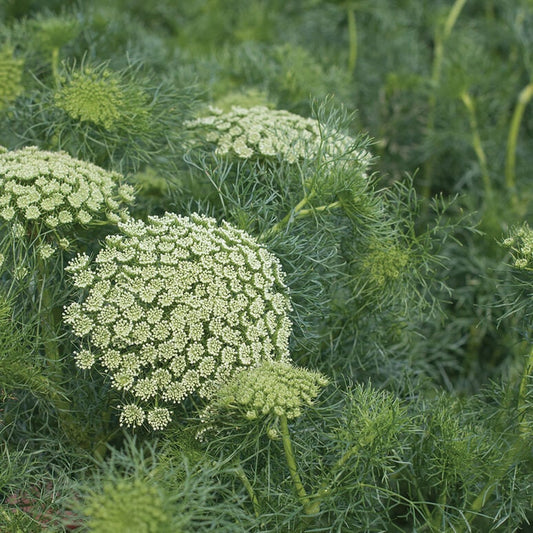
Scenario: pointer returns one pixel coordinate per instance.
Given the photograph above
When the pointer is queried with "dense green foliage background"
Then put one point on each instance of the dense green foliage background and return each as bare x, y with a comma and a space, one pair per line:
404, 296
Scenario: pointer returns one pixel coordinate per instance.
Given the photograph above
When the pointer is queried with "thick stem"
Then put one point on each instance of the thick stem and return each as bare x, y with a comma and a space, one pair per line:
309, 507
510, 163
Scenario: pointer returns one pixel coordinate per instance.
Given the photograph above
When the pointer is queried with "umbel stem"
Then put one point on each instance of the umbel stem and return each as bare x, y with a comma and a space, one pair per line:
510, 163
309, 507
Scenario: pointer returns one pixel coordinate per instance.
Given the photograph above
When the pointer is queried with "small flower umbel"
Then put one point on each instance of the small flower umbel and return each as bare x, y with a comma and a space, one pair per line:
259, 133
174, 308
520, 242
52, 191
272, 388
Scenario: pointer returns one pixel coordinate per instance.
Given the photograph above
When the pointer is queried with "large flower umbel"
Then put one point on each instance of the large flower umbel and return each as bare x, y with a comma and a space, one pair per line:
175, 307
56, 190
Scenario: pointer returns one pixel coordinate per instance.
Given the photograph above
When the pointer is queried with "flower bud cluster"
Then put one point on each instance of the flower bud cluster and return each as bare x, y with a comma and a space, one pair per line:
57, 190
99, 96
10, 76
273, 387
174, 307
259, 132
126, 504
521, 244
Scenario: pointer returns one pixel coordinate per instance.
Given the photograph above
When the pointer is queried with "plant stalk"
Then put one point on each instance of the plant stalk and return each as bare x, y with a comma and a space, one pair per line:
510, 162
309, 507
477, 145
352, 36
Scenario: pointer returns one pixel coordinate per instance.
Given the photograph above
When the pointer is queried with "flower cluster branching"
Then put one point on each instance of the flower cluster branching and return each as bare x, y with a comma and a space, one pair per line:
174, 307
259, 132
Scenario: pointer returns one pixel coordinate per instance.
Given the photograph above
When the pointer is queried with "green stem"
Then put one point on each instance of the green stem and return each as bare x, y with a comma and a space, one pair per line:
245, 481
522, 391
288, 217
352, 35
55, 65
477, 145
440, 39
510, 163
309, 507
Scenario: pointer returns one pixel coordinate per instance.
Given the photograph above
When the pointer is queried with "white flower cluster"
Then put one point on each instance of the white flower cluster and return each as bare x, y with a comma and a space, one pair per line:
175, 307
260, 132
58, 190
273, 387
521, 244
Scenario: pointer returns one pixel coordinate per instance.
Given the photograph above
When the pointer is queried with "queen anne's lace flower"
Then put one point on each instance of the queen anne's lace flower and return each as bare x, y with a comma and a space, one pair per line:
259, 132
273, 387
57, 190
175, 307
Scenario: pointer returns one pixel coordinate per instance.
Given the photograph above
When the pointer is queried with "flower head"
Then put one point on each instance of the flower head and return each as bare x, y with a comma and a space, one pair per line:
520, 243
99, 96
57, 190
175, 307
260, 132
127, 505
273, 387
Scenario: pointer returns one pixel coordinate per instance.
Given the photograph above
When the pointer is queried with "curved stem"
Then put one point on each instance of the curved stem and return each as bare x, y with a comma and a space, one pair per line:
510, 163
477, 145
286, 219
245, 481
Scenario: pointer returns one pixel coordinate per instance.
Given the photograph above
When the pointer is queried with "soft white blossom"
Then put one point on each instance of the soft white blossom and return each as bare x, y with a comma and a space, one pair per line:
260, 132
209, 302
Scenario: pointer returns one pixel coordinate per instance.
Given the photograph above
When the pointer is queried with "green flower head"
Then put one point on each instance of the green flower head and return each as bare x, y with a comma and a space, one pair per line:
259, 132
271, 388
127, 505
10, 76
385, 261
520, 242
175, 307
100, 97
56, 190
